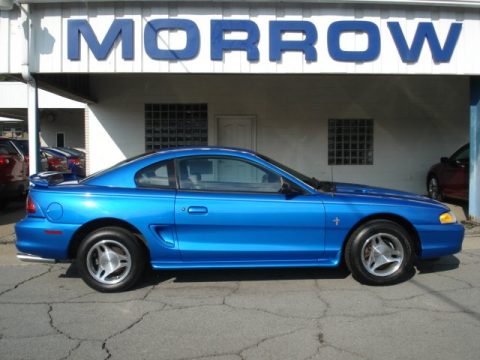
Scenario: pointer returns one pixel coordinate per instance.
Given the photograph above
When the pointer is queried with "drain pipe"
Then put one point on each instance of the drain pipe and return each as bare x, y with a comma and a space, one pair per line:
32, 91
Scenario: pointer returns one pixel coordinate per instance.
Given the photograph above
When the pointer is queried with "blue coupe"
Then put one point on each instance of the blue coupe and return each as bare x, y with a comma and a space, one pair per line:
197, 208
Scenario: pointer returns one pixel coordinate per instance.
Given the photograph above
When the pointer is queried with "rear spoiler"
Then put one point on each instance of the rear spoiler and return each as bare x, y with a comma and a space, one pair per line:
50, 178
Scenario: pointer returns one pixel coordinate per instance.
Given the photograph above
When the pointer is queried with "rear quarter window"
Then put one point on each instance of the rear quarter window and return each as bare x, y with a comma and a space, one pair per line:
160, 175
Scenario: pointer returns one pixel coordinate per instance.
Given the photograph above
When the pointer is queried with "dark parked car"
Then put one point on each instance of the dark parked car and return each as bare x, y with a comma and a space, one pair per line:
75, 164
450, 177
13, 172
77, 160
197, 208
56, 161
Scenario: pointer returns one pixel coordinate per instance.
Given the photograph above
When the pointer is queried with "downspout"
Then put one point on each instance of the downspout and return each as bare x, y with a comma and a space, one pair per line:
32, 91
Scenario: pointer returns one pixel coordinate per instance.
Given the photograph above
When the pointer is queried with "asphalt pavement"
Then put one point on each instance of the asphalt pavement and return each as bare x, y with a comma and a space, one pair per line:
47, 312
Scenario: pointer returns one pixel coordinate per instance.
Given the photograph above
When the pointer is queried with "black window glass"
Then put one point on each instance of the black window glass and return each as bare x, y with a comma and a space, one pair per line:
6, 148
350, 142
175, 125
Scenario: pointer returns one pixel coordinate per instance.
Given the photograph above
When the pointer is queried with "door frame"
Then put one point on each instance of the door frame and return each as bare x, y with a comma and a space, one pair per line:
252, 117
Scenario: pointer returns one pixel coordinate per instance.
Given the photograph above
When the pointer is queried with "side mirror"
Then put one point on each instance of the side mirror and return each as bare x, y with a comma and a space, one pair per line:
444, 160
289, 190
286, 188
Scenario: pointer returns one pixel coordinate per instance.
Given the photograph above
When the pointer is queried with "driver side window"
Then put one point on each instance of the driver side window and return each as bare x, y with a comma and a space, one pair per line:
226, 174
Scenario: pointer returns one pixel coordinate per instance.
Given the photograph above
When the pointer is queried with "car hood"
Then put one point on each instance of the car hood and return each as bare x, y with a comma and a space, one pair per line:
344, 188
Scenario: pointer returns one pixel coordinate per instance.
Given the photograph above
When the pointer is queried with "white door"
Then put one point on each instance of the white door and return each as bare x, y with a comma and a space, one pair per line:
236, 131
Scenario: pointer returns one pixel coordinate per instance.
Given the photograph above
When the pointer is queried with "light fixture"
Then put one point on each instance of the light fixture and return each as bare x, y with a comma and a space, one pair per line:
6, 4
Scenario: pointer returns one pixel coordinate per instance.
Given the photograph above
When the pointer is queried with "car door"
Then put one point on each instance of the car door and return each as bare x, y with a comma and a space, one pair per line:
230, 210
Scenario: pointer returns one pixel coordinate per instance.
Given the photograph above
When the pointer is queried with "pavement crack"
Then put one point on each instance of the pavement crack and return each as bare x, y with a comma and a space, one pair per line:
27, 280
133, 324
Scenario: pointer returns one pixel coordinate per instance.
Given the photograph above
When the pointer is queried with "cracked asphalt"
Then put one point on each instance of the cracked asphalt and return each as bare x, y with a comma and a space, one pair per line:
47, 312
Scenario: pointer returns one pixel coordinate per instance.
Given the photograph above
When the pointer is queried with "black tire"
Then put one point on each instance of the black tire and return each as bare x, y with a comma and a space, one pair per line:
433, 188
391, 241
127, 258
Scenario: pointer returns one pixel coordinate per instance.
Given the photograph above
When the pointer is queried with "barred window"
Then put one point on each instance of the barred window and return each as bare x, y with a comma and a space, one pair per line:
174, 125
350, 141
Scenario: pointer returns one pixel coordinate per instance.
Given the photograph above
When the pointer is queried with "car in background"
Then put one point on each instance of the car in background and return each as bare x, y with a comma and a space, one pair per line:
56, 162
13, 172
80, 168
22, 145
450, 177
74, 162
208, 207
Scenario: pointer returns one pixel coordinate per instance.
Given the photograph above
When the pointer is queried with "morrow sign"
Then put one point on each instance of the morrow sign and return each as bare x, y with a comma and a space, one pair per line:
123, 30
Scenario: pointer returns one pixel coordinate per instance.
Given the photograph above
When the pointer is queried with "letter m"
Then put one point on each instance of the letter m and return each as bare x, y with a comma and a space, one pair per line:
425, 30
120, 29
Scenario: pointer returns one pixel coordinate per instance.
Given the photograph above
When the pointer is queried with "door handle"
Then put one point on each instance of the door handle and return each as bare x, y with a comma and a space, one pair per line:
197, 210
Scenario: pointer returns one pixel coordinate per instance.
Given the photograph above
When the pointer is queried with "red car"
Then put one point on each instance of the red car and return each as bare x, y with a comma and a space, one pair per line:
450, 177
13, 172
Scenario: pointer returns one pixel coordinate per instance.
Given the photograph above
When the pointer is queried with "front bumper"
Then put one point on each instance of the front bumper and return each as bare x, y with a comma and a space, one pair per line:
440, 240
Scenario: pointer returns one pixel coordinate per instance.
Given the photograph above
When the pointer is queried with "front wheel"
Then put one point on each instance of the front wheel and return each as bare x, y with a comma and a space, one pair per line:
380, 253
433, 189
111, 259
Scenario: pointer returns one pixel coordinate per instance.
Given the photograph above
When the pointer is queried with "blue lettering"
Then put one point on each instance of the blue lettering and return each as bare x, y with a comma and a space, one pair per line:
219, 44
333, 39
425, 30
151, 45
120, 29
278, 46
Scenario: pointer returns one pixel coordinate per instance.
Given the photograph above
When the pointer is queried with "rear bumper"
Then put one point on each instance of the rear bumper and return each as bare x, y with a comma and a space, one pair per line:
440, 240
40, 240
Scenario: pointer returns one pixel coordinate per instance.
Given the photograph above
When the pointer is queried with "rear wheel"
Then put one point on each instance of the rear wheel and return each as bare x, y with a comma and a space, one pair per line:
380, 253
111, 259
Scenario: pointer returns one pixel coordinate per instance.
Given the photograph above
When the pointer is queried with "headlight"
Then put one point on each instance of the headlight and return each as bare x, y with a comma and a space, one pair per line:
448, 218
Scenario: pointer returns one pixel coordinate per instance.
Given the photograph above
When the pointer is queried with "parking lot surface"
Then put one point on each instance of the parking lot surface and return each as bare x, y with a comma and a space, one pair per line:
47, 312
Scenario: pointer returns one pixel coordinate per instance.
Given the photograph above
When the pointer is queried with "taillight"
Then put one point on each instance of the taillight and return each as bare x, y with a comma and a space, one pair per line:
4, 161
31, 209
55, 161
74, 161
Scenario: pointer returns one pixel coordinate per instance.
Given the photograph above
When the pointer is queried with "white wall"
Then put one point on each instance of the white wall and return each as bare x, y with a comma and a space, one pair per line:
71, 122
416, 119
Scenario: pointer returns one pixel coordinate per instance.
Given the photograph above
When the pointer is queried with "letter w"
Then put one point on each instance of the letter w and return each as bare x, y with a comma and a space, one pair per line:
425, 30
121, 28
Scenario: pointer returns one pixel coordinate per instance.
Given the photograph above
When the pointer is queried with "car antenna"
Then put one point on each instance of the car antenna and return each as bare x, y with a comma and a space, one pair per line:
332, 184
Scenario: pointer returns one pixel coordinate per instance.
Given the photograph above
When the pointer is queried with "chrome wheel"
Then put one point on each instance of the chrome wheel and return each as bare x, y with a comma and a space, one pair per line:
109, 262
382, 254
433, 188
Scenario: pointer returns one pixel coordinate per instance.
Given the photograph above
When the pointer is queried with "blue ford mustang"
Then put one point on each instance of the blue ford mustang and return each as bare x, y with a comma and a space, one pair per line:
194, 208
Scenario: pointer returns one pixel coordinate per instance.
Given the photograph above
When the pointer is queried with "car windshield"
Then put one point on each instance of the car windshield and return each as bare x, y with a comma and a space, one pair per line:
310, 181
